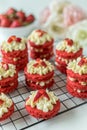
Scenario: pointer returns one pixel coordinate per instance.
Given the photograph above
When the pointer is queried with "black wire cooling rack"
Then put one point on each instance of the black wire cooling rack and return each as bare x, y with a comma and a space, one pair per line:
20, 119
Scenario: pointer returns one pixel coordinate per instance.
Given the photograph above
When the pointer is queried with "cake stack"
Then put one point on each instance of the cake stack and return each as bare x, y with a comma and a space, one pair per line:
8, 78
39, 74
66, 51
14, 51
41, 45
77, 77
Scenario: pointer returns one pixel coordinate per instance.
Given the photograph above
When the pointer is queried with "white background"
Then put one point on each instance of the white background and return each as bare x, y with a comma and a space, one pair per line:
34, 6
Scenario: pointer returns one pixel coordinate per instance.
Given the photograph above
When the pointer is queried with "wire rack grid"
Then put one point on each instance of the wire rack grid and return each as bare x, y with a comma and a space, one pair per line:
20, 119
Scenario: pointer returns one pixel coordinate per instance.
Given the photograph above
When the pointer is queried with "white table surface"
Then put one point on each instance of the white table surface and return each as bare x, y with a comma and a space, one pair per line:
75, 119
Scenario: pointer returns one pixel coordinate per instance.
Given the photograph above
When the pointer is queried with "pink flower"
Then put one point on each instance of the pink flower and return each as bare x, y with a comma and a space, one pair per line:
73, 14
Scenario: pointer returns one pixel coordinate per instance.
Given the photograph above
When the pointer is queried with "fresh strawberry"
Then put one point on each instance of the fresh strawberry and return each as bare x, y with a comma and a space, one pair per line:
5, 66
12, 38
18, 39
30, 18
41, 93
69, 41
16, 23
20, 15
82, 61
40, 32
39, 62
37, 97
36, 64
3, 16
46, 95
4, 21
9, 40
11, 11
43, 64
1, 102
13, 18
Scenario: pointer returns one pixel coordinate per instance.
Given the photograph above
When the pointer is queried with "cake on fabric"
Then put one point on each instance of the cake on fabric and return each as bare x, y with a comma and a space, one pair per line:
14, 51
39, 74
42, 104
66, 51
8, 78
41, 44
77, 77
6, 107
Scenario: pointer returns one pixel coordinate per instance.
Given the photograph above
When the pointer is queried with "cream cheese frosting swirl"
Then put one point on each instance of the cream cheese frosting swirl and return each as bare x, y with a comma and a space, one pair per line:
5, 105
42, 103
78, 66
39, 66
39, 37
7, 70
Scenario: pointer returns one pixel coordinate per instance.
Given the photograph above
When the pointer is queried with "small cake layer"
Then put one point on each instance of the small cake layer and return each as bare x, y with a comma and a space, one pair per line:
66, 51
8, 78
41, 44
14, 51
39, 74
6, 107
42, 104
77, 77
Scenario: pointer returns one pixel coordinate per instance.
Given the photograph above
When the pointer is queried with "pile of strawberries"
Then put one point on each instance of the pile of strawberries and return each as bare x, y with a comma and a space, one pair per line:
13, 18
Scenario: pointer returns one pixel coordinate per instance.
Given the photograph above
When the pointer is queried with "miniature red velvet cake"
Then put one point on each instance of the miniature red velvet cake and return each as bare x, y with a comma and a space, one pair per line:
42, 104
39, 74
8, 78
14, 51
6, 107
41, 45
66, 51
77, 77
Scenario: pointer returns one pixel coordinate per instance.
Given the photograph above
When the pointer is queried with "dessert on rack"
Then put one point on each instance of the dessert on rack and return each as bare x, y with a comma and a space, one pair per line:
66, 51
8, 78
42, 104
77, 77
39, 74
14, 51
6, 107
41, 44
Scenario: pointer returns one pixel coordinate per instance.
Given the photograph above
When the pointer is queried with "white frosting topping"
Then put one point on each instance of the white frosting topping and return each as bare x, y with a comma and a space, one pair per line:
43, 103
75, 80
83, 83
14, 45
37, 39
63, 59
5, 105
80, 91
72, 79
76, 68
4, 73
63, 46
42, 83
39, 69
